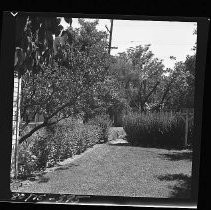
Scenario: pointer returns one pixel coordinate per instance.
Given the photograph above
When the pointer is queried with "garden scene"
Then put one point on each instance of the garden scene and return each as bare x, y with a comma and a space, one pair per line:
94, 123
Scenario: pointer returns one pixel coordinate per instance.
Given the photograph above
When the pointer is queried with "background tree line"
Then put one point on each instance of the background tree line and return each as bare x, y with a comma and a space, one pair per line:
74, 74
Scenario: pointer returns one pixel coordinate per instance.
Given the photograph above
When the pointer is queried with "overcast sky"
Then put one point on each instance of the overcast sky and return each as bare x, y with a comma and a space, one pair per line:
166, 38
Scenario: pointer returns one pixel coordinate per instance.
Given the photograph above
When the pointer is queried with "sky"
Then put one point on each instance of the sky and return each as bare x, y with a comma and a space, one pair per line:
167, 38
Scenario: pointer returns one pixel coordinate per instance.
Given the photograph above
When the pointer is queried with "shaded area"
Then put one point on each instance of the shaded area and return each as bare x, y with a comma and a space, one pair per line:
183, 187
43, 179
186, 155
40, 177
65, 167
149, 146
61, 168
148, 143
33, 177
121, 144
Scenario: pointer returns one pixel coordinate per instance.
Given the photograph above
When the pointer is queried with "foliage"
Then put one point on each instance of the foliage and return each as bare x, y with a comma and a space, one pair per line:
72, 137
26, 160
103, 121
83, 78
146, 85
71, 84
42, 147
56, 143
154, 129
140, 74
182, 89
34, 41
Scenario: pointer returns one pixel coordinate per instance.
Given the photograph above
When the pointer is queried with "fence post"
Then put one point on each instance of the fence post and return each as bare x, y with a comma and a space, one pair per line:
186, 127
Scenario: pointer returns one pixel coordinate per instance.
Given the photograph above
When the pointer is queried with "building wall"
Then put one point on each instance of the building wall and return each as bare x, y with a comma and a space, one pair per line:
15, 121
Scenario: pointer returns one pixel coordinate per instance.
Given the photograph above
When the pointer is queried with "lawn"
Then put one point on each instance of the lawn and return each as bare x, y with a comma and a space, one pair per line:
118, 170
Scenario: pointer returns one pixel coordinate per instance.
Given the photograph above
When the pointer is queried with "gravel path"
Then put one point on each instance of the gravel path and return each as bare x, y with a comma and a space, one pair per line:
118, 169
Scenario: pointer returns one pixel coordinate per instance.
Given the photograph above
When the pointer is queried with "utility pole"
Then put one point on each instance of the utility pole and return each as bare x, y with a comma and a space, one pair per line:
109, 52
110, 37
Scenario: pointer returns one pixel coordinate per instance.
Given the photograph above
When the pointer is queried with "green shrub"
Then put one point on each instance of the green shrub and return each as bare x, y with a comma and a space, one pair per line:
103, 121
26, 160
31, 153
42, 147
72, 140
154, 129
56, 143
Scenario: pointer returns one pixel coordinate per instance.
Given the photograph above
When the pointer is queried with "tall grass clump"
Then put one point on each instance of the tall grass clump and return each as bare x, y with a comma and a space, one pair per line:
160, 129
52, 144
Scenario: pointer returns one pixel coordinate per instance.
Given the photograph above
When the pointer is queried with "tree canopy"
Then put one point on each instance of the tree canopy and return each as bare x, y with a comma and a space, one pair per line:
72, 82
148, 85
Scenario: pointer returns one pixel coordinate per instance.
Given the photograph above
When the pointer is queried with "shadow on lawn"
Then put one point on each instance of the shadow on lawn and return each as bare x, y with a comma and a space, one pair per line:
40, 177
146, 146
131, 143
65, 167
43, 179
183, 187
186, 155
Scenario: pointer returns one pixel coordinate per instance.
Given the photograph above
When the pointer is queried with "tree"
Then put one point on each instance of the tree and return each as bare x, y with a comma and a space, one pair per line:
146, 85
70, 83
182, 91
141, 74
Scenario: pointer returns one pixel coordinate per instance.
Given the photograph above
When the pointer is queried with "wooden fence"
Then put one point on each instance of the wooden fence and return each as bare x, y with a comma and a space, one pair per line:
187, 115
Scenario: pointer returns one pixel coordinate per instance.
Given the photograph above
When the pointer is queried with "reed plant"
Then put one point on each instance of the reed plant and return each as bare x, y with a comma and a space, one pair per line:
153, 129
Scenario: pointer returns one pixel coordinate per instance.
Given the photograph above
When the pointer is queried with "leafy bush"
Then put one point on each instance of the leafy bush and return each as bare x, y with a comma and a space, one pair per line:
154, 129
56, 143
33, 153
42, 147
26, 160
75, 140
103, 121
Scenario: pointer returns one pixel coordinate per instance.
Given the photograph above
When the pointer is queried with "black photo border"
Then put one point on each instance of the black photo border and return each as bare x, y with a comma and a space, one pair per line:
7, 60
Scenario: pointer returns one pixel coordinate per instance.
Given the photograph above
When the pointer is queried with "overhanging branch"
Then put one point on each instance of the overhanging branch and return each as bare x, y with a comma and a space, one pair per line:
22, 139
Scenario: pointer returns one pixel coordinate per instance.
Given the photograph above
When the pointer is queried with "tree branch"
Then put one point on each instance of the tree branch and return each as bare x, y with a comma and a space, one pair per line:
59, 109
150, 93
22, 139
165, 93
45, 123
55, 122
46, 120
